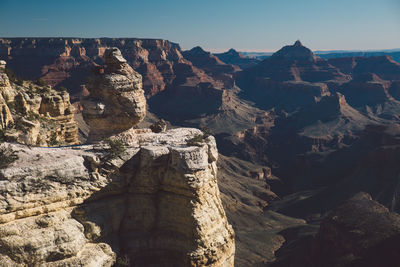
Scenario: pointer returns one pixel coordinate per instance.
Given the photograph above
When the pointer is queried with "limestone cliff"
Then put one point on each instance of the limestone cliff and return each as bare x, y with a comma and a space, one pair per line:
157, 204
35, 114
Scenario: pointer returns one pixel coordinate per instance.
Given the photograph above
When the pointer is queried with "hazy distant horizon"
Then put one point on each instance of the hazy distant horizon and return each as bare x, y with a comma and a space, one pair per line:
222, 50
263, 25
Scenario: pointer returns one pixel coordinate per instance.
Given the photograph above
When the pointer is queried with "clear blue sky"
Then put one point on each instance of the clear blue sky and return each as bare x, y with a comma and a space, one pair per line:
213, 24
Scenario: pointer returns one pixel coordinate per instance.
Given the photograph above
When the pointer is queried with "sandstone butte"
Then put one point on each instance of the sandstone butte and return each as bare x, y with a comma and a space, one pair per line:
156, 204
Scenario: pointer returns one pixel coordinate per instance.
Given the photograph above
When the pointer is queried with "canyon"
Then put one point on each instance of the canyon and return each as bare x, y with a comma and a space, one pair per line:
298, 135
136, 198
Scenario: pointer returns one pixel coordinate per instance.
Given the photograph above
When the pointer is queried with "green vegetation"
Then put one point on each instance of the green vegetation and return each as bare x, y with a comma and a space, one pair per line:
32, 116
123, 261
39, 140
3, 135
18, 124
41, 82
53, 139
31, 90
195, 141
116, 148
198, 139
7, 156
13, 77
206, 132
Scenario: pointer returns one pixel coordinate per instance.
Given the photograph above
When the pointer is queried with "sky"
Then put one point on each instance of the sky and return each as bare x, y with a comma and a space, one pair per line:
215, 25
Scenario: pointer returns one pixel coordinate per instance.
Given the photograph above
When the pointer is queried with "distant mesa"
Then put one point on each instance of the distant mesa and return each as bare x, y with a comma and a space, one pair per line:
291, 77
197, 50
385, 67
235, 58
212, 65
233, 53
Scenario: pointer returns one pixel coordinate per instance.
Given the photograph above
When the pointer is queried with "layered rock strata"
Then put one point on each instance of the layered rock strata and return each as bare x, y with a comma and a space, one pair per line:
157, 204
35, 114
67, 61
116, 102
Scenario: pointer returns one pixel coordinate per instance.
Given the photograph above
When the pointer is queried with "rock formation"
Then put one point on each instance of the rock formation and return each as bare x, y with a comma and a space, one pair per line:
5, 115
326, 128
359, 232
297, 63
116, 102
154, 201
35, 114
68, 61
291, 77
156, 204
383, 66
235, 58
212, 65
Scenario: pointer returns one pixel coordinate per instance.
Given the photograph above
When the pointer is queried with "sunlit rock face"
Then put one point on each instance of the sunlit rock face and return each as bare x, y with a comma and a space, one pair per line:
157, 204
35, 114
116, 102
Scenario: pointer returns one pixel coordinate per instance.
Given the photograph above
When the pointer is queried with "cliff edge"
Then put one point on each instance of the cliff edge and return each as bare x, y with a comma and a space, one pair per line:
137, 199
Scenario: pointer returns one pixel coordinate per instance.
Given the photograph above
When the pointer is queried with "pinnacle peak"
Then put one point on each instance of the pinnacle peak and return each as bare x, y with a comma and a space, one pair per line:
298, 43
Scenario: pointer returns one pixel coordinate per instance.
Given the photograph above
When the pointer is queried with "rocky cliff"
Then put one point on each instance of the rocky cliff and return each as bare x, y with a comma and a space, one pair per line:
359, 232
68, 61
138, 199
35, 114
212, 65
235, 58
156, 204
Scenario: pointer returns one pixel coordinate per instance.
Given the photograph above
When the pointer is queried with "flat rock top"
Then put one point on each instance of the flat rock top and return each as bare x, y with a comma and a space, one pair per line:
36, 160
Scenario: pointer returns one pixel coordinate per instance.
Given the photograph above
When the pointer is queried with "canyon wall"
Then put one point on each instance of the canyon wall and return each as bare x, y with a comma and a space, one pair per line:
67, 61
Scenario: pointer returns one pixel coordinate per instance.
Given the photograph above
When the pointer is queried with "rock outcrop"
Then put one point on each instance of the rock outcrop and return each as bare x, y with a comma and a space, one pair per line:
35, 114
156, 204
235, 58
291, 77
359, 232
384, 66
116, 102
212, 65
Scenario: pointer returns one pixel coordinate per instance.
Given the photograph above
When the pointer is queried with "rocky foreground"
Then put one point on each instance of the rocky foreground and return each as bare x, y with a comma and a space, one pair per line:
157, 203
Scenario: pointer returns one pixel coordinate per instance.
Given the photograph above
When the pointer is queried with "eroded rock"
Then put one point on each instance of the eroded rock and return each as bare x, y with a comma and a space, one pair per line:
156, 204
116, 102
35, 114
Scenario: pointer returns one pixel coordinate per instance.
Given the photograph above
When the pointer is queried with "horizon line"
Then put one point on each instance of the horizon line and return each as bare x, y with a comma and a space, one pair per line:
218, 50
